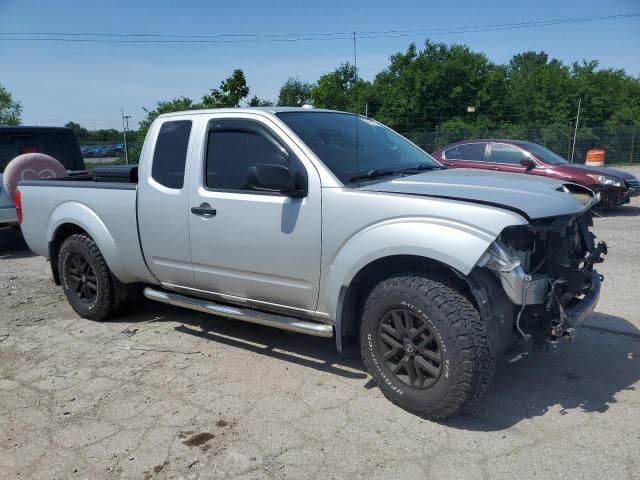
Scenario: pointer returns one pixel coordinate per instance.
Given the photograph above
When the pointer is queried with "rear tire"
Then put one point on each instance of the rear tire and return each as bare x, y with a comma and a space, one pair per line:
425, 345
86, 280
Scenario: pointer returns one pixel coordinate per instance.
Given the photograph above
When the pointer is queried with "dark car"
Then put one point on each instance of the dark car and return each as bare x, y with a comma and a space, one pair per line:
59, 143
616, 187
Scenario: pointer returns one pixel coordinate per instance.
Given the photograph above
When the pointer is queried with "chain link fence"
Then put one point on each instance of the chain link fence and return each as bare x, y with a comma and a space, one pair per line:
621, 143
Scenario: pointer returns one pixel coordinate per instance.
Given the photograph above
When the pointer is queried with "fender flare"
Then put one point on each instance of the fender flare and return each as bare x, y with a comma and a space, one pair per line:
81, 215
452, 244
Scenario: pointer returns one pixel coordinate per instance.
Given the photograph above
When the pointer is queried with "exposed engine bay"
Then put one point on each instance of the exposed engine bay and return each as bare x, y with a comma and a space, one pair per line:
547, 270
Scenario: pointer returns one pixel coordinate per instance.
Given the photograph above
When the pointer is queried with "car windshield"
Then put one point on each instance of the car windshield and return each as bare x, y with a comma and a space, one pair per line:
544, 154
356, 148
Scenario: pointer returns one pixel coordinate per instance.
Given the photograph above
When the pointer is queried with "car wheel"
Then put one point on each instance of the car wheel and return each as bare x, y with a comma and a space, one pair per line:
425, 345
86, 279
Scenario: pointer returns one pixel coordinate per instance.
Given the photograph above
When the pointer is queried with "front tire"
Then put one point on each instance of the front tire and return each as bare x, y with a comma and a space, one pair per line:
86, 279
425, 345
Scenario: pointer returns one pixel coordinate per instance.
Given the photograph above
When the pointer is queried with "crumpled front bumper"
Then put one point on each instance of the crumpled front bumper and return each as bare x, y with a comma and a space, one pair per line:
632, 192
577, 314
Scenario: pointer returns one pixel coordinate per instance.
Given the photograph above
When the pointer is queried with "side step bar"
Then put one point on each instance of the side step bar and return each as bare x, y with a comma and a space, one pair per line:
241, 313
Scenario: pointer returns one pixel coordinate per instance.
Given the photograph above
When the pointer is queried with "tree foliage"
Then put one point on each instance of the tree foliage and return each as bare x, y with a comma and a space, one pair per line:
452, 86
228, 95
255, 101
231, 92
10, 109
454, 89
99, 135
294, 93
341, 89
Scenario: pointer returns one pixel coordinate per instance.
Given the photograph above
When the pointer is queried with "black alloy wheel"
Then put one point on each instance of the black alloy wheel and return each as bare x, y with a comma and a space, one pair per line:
82, 279
410, 349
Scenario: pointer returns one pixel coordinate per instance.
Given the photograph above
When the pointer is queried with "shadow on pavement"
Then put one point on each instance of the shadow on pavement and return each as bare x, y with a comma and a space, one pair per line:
12, 244
312, 352
585, 375
624, 211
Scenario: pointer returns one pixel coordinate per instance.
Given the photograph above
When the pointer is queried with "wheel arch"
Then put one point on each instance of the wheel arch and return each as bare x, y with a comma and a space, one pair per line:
61, 233
70, 218
352, 296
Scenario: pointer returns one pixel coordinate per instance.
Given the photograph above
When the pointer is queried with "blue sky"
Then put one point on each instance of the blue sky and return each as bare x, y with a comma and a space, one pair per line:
89, 82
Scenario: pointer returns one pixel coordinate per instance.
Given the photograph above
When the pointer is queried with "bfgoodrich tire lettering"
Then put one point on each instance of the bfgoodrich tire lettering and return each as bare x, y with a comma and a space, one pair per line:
425, 345
86, 280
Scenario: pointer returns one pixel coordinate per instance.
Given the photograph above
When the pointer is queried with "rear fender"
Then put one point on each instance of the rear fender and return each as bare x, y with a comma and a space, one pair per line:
79, 214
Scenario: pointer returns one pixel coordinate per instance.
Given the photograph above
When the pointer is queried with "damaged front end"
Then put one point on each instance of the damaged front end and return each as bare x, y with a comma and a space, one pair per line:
546, 269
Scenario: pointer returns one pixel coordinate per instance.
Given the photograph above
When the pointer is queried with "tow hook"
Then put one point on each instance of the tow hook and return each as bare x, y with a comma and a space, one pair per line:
567, 335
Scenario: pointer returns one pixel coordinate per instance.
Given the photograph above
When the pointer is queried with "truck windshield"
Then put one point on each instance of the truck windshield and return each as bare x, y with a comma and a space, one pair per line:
359, 152
52, 143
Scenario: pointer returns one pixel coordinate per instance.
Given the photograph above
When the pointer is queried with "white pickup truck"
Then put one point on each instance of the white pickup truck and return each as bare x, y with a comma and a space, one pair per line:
328, 224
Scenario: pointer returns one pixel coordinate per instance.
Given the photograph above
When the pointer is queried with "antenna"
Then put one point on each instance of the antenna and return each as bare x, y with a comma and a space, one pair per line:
355, 82
355, 54
125, 128
575, 133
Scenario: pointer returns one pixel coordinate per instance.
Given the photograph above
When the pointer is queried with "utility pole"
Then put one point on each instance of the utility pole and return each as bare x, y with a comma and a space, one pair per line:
575, 133
355, 55
125, 129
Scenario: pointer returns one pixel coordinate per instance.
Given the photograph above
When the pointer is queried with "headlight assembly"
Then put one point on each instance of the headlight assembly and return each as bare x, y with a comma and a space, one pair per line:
605, 180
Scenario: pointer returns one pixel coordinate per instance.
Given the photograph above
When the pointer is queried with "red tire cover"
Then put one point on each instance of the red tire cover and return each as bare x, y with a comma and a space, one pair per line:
30, 166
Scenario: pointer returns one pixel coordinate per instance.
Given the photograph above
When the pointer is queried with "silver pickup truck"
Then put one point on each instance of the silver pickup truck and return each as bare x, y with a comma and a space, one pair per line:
328, 224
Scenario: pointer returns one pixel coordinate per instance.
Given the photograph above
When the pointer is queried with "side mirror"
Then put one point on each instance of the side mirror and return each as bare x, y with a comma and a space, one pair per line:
273, 178
528, 163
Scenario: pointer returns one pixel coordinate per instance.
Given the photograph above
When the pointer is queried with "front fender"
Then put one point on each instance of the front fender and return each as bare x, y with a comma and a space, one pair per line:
457, 245
83, 216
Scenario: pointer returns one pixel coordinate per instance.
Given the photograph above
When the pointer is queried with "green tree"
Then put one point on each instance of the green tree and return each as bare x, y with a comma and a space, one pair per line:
539, 90
341, 89
421, 88
175, 105
10, 109
294, 93
80, 131
230, 93
607, 95
260, 102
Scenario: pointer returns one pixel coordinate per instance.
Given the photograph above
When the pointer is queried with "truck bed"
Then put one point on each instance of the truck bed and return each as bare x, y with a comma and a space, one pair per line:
108, 209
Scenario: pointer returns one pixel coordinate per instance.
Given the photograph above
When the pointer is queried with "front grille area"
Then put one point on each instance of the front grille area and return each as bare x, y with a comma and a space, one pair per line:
633, 183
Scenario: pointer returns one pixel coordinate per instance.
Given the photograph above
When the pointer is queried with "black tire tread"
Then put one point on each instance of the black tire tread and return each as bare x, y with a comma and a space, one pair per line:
113, 299
474, 361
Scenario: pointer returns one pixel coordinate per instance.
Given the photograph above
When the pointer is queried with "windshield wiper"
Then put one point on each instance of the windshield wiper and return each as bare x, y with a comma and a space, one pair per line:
421, 167
372, 174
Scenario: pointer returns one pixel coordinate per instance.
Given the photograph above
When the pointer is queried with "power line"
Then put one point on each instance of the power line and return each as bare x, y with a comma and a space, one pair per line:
89, 37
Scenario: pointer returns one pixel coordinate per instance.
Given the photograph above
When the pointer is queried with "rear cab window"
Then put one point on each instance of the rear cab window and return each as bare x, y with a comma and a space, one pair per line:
469, 151
170, 153
57, 143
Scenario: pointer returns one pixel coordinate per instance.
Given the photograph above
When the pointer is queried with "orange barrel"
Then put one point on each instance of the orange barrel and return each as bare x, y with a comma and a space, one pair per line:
595, 157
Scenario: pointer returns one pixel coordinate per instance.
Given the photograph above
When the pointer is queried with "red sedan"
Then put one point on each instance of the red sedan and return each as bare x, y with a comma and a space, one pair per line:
616, 187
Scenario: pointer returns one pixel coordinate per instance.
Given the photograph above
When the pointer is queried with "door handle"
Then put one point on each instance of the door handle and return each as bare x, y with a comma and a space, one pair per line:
205, 210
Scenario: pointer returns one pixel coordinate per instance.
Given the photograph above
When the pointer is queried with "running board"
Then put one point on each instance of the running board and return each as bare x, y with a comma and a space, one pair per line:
241, 313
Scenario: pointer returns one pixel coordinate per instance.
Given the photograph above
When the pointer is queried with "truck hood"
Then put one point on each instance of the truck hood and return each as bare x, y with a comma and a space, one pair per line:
531, 196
